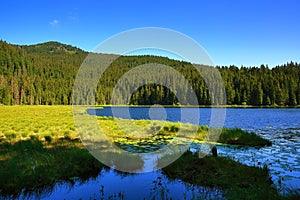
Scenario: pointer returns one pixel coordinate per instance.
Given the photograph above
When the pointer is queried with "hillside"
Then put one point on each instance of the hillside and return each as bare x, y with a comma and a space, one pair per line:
44, 74
52, 47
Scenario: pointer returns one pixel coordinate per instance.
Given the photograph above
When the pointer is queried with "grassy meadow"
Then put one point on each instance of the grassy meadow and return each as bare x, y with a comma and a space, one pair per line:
39, 146
50, 123
23, 122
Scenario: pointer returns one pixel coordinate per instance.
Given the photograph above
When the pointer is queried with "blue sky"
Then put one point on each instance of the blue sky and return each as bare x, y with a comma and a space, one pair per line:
239, 32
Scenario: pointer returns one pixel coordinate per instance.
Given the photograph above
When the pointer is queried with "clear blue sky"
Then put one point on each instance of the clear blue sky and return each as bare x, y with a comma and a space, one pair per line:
239, 32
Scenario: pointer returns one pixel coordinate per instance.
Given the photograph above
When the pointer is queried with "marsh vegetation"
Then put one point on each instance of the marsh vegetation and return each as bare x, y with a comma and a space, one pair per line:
40, 147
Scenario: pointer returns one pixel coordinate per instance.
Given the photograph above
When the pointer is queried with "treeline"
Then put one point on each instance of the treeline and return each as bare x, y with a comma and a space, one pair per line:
262, 86
44, 74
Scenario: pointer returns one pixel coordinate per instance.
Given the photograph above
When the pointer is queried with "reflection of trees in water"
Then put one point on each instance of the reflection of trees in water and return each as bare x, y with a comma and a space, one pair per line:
33, 168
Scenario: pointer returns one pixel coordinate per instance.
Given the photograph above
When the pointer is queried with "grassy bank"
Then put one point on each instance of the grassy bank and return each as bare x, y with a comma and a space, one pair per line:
32, 165
40, 146
134, 132
236, 180
52, 122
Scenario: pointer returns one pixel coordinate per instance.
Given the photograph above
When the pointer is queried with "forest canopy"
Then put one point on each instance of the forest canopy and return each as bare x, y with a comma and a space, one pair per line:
44, 74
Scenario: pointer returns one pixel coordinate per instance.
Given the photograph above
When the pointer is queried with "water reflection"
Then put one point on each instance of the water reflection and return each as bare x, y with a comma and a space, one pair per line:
279, 125
112, 184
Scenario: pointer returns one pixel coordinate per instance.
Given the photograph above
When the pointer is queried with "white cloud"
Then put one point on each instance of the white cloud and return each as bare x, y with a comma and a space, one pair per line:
54, 22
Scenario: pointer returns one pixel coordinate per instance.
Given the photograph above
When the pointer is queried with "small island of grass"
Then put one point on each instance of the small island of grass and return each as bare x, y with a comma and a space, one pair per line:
236, 180
155, 132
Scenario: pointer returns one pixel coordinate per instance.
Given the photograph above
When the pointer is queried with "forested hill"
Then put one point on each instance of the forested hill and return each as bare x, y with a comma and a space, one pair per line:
52, 48
44, 74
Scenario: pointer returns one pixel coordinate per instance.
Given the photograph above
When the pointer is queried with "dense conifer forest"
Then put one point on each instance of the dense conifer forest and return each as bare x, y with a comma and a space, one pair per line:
44, 74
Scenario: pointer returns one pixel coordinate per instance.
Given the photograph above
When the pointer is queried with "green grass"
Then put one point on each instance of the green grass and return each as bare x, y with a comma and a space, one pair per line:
19, 122
239, 137
39, 146
32, 164
156, 131
236, 180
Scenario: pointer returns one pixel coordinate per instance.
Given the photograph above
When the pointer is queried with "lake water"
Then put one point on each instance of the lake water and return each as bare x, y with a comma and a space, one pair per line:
279, 125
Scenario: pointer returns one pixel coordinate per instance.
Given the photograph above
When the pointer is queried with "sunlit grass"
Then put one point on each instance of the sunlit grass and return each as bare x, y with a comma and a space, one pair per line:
135, 130
40, 144
19, 122
23, 122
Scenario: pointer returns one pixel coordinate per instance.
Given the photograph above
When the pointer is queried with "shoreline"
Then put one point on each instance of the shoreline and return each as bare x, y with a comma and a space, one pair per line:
188, 106
158, 105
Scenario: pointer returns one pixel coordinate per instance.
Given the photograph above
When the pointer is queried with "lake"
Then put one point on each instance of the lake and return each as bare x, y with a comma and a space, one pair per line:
279, 125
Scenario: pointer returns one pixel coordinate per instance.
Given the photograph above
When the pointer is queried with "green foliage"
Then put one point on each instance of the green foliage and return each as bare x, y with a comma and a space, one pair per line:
39, 74
44, 74
54, 153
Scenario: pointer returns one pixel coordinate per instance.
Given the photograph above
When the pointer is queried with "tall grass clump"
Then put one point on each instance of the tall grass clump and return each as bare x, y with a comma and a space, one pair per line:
240, 137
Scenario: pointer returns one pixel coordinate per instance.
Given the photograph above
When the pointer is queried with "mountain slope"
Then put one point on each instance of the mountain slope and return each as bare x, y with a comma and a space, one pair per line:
44, 74
52, 47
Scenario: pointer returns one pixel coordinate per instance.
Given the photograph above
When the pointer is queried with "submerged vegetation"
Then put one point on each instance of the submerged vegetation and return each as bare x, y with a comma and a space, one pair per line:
39, 147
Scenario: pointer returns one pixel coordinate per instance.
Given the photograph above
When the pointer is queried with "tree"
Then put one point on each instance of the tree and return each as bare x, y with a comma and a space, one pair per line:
256, 95
45, 74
